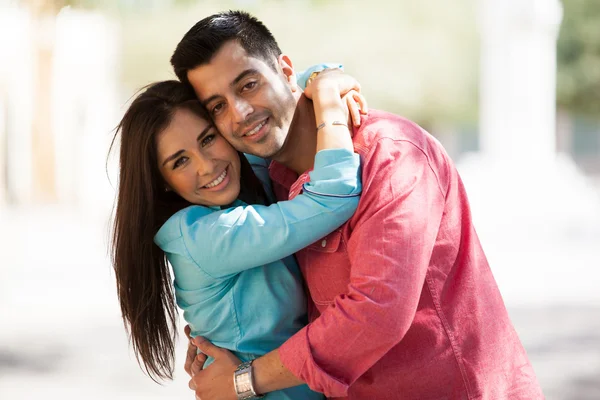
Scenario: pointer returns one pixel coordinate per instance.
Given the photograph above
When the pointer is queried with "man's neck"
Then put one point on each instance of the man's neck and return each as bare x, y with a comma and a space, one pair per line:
301, 144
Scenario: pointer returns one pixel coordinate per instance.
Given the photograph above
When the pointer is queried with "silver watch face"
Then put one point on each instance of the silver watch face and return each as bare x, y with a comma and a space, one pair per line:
243, 384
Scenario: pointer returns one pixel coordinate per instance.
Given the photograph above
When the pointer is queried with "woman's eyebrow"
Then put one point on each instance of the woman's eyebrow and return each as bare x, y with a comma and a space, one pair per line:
172, 157
204, 132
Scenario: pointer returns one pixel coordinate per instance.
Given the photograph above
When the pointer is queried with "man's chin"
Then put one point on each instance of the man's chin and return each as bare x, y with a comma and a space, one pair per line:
268, 149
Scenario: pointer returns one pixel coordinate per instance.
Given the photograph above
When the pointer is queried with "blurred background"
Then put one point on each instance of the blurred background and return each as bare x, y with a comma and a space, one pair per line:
510, 87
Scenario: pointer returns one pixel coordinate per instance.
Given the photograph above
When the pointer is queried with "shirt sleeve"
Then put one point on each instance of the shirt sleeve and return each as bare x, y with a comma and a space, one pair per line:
302, 76
229, 241
393, 236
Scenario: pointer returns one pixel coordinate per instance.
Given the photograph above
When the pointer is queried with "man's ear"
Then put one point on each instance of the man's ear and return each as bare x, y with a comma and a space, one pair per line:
285, 63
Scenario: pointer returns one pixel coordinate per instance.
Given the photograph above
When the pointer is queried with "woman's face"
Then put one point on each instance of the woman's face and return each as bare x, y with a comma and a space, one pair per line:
196, 162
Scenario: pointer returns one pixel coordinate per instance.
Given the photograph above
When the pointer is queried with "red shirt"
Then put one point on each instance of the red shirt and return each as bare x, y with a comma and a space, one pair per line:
405, 304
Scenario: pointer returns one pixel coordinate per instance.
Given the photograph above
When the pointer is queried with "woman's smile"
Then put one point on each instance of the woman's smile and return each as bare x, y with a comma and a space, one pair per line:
196, 162
220, 182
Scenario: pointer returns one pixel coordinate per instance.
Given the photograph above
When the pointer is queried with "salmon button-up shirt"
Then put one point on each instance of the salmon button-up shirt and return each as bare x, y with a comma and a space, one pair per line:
404, 303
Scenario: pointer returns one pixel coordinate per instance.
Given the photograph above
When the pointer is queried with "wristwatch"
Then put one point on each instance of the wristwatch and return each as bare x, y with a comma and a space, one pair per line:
243, 382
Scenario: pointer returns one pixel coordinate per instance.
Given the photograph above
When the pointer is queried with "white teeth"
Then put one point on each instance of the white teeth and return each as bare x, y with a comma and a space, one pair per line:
255, 130
218, 180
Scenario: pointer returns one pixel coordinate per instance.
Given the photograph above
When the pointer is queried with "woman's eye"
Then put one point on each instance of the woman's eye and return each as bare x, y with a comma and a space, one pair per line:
208, 140
179, 162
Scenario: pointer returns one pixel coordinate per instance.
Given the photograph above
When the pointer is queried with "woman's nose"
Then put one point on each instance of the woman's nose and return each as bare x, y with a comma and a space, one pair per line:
204, 166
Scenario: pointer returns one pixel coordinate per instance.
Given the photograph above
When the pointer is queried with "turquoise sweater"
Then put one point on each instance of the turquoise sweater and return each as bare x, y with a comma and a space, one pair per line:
235, 278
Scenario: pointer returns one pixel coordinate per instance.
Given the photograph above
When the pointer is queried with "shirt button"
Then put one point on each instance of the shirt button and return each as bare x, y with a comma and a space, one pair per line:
324, 243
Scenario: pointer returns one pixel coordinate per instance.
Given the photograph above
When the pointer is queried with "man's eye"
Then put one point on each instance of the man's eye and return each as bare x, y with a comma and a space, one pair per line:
250, 85
179, 162
208, 140
217, 108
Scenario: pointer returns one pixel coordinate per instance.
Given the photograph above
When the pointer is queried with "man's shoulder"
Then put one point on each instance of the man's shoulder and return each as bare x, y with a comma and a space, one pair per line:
381, 125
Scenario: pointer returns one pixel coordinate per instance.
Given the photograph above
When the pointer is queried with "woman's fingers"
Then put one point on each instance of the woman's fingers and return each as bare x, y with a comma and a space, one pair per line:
353, 109
357, 105
362, 103
332, 77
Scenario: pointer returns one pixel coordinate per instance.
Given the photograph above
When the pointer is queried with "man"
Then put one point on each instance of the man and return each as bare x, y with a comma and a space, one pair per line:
404, 303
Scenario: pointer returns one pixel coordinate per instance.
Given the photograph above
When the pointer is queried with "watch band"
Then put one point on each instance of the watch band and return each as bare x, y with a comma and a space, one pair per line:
244, 383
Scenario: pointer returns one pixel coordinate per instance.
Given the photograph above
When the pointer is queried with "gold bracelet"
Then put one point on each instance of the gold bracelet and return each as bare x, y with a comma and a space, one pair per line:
312, 76
333, 123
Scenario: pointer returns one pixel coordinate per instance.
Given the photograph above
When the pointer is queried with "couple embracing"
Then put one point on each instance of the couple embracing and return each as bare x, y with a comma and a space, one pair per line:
318, 248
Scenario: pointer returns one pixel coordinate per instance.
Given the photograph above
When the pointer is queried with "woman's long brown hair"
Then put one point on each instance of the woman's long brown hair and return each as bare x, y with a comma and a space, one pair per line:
142, 273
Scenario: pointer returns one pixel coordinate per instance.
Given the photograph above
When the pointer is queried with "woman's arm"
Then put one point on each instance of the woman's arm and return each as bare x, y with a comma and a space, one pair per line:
331, 114
229, 241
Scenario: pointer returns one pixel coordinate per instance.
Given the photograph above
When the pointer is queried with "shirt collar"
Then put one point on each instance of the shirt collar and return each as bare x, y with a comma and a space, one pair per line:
282, 175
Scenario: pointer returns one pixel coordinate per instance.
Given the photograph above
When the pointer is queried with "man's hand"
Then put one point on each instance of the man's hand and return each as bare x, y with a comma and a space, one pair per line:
194, 361
215, 382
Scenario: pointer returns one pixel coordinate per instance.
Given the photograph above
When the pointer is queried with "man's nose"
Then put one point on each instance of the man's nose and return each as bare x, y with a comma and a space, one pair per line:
241, 110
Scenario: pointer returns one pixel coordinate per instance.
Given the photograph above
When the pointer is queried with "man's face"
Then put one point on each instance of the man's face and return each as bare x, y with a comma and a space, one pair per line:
251, 104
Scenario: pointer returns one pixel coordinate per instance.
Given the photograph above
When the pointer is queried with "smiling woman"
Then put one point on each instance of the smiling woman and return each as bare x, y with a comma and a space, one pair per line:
202, 168
188, 198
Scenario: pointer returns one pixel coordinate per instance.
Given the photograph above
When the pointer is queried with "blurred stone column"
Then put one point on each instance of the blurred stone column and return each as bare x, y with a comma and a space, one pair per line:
84, 107
518, 79
3, 193
18, 87
535, 212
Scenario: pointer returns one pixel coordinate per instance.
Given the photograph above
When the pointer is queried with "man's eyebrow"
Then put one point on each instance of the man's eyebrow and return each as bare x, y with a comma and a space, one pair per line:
178, 153
237, 80
244, 74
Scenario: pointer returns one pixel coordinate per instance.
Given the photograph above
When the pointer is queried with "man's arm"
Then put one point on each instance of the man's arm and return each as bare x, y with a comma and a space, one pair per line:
215, 382
389, 249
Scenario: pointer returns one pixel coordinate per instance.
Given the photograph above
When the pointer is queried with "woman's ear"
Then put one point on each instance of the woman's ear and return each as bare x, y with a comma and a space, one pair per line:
285, 63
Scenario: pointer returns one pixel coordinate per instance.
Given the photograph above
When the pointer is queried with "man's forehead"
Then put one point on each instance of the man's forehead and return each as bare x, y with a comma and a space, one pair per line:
221, 71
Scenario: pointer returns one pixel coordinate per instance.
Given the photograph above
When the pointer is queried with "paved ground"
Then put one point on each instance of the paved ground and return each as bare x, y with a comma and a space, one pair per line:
61, 336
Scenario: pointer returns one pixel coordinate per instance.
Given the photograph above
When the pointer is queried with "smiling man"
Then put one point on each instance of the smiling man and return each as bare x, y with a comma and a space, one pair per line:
404, 305
258, 120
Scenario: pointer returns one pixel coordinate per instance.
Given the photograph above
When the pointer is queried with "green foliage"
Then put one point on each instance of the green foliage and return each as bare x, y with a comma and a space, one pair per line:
579, 57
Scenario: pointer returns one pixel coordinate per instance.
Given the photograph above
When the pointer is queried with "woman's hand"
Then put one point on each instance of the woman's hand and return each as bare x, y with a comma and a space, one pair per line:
357, 105
336, 81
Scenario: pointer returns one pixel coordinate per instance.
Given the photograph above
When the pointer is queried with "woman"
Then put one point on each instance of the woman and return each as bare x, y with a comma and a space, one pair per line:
183, 186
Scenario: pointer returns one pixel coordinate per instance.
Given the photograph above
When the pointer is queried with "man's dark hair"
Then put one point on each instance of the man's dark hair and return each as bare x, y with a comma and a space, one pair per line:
204, 39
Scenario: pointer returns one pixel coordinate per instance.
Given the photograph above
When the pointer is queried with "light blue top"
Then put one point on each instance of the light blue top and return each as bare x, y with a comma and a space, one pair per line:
302, 76
234, 277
